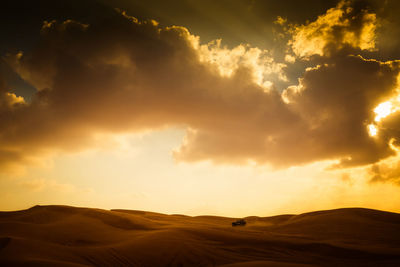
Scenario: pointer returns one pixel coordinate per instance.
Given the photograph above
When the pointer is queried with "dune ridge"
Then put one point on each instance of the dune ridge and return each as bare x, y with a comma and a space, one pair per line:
72, 236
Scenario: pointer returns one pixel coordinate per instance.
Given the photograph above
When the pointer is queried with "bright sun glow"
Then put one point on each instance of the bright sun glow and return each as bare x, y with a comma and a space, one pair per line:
372, 130
383, 110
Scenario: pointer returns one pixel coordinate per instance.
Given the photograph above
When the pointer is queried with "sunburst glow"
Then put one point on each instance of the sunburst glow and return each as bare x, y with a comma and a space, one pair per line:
383, 110
372, 130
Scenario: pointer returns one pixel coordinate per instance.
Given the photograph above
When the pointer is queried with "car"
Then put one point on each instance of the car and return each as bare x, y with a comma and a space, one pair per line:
240, 222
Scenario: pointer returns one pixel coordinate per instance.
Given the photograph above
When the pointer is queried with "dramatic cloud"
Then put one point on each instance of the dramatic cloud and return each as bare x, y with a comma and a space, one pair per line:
124, 75
341, 26
336, 100
227, 61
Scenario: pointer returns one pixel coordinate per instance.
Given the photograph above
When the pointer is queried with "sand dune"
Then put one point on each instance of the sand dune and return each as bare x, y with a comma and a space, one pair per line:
70, 236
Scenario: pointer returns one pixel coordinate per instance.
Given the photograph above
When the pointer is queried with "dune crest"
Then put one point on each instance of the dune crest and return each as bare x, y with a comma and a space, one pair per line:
71, 236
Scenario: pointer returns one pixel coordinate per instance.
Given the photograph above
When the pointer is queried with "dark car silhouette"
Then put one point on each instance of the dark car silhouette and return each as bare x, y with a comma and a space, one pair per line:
240, 222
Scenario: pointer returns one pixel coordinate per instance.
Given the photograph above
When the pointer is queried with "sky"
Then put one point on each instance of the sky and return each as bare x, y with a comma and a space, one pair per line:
230, 108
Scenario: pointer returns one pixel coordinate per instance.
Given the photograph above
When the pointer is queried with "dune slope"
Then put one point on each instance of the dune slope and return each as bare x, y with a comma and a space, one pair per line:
70, 236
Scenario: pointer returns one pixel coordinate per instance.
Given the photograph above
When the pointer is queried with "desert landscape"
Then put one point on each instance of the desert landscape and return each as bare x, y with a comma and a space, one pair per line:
200, 133
72, 236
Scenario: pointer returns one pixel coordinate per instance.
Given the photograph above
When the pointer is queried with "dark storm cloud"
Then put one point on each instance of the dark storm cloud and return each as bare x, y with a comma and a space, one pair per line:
336, 100
124, 75
119, 74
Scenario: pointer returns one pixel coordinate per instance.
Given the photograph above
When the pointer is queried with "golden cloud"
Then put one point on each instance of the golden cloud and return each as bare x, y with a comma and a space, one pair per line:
339, 27
122, 75
227, 61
